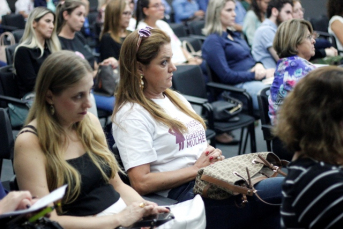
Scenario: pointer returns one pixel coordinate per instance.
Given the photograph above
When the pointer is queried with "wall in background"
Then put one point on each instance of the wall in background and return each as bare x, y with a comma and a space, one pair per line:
314, 8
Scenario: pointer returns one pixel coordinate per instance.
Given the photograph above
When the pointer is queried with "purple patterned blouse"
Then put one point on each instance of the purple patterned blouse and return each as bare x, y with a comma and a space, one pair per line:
288, 72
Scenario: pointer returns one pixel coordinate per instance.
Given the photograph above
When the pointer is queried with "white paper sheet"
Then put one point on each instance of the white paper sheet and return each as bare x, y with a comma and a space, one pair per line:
41, 203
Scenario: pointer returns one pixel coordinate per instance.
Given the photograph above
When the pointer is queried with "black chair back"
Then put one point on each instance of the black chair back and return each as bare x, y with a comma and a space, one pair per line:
15, 20
320, 23
6, 137
195, 27
179, 29
10, 53
188, 80
266, 126
18, 34
8, 85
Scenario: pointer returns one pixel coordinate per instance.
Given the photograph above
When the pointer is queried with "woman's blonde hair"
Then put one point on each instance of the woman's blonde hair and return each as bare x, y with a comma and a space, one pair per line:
130, 91
30, 39
213, 13
69, 6
58, 72
113, 13
310, 119
289, 35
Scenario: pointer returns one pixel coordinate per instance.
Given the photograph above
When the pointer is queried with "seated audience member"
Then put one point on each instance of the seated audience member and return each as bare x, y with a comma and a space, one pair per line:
313, 188
253, 19
70, 19
227, 54
202, 4
323, 47
4, 9
24, 7
335, 13
101, 9
65, 144
294, 44
150, 13
278, 11
15, 200
151, 123
117, 18
38, 42
50, 4
186, 10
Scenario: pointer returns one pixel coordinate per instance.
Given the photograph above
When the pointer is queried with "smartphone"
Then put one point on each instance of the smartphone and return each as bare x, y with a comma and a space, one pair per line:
152, 221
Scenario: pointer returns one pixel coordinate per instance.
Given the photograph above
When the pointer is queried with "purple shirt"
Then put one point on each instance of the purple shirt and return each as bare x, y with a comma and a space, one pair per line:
288, 72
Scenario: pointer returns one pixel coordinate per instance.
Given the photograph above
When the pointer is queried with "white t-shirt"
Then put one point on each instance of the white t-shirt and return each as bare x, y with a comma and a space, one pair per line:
4, 8
334, 18
178, 56
24, 5
142, 140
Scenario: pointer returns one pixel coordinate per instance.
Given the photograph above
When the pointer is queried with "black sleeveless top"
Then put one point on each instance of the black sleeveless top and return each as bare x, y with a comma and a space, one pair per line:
96, 194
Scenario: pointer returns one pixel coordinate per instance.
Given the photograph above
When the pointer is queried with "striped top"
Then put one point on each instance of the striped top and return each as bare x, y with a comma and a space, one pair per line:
312, 195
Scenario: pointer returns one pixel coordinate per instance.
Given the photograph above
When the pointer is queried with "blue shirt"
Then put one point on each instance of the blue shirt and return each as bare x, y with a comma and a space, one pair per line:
231, 60
203, 4
183, 9
263, 40
240, 13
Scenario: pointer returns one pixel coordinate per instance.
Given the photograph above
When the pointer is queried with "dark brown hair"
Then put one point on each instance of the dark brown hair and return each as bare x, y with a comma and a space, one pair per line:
310, 119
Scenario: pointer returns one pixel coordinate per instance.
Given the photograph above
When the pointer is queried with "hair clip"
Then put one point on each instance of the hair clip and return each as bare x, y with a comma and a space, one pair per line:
145, 32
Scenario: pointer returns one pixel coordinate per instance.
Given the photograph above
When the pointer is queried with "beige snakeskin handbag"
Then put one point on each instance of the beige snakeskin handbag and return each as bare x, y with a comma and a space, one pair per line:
237, 175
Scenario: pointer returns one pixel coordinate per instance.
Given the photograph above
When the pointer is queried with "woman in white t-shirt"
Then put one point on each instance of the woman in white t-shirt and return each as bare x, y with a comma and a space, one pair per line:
150, 13
162, 141
335, 13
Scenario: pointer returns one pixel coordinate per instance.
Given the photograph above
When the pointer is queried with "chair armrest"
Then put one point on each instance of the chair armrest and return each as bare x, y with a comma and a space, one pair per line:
200, 37
160, 200
9, 99
195, 100
228, 88
8, 27
324, 34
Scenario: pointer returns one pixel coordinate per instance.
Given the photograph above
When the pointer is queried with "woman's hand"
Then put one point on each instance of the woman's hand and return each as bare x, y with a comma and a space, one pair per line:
194, 61
331, 51
260, 71
209, 156
110, 61
15, 200
137, 211
270, 72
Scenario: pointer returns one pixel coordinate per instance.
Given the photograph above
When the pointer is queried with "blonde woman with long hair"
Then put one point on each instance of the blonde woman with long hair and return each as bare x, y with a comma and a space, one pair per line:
38, 42
62, 143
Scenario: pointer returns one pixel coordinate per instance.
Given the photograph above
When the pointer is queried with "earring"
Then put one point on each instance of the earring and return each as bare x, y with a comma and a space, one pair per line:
52, 109
142, 82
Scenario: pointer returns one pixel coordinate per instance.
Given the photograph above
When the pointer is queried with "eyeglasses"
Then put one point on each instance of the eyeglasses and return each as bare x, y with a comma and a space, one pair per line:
127, 13
158, 5
312, 36
300, 9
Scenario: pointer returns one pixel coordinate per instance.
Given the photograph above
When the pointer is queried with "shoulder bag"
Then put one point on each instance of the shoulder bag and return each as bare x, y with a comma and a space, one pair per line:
3, 44
106, 80
237, 175
227, 108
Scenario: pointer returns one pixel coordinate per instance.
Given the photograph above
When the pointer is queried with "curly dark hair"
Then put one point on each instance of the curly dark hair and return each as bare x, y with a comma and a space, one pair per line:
310, 119
334, 7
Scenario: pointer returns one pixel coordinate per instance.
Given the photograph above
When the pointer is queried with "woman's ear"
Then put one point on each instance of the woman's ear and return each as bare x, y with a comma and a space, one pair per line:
48, 97
145, 11
34, 24
65, 15
141, 68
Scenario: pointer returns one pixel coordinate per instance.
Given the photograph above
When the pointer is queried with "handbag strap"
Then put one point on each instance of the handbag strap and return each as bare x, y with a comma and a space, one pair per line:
271, 166
3, 37
220, 183
188, 46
